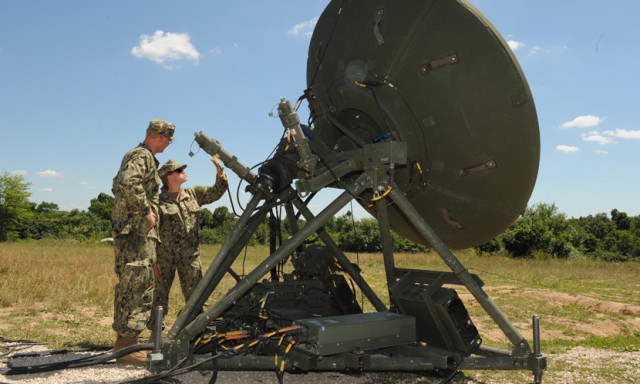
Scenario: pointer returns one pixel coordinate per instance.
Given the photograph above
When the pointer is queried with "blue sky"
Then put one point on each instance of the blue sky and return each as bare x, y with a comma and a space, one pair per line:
79, 81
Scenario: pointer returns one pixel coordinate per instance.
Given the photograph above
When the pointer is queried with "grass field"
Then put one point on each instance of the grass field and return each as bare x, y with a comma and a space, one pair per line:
62, 294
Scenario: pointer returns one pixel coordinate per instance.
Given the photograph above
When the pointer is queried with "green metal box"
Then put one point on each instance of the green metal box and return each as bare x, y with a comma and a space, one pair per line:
365, 331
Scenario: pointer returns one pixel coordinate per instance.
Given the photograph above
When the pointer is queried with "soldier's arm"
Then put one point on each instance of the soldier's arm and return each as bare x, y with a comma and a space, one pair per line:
131, 184
207, 195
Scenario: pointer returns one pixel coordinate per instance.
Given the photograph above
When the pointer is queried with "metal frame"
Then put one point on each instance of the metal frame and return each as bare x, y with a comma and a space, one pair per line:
176, 347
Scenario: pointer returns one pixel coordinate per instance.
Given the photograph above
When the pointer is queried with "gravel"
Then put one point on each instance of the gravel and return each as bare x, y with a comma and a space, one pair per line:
579, 365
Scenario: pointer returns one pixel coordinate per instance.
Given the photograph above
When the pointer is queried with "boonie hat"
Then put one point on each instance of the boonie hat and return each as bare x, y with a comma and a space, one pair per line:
170, 166
162, 127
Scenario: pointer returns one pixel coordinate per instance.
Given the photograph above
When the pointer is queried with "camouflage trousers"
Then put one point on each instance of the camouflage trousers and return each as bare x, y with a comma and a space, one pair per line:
135, 258
170, 260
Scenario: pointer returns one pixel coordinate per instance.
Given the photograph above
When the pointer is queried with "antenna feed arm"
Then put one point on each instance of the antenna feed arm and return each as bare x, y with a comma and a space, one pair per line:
214, 148
291, 122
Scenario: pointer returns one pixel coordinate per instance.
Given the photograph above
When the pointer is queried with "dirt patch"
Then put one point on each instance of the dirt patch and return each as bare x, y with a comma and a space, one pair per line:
595, 305
107, 320
608, 318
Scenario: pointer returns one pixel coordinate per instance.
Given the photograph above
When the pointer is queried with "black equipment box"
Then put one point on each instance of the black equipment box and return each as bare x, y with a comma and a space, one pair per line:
441, 318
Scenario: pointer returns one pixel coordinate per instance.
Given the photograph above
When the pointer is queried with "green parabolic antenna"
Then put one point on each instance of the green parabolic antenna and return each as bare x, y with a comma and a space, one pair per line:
439, 77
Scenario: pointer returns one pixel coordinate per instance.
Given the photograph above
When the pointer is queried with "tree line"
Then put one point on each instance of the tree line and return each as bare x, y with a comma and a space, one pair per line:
542, 231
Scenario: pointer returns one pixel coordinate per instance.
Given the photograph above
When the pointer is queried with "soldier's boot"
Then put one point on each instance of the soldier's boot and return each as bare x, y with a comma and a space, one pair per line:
139, 358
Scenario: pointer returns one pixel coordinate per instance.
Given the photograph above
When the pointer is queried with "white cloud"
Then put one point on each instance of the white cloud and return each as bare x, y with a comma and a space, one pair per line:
19, 172
217, 51
166, 47
83, 183
535, 50
623, 134
304, 28
567, 148
553, 50
47, 190
585, 121
50, 173
515, 44
601, 152
595, 137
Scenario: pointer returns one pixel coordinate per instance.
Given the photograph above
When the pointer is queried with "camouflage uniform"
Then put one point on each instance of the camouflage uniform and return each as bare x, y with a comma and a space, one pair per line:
180, 246
135, 189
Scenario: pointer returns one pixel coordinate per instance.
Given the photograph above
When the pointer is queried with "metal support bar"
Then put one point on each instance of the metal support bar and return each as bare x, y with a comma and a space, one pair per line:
537, 362
206, 286
344, 262
387, 242
157, 328
376, 363
459, 270
199, 324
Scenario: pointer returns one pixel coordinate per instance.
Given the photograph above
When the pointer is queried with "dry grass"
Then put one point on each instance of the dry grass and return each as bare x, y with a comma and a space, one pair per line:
62, 294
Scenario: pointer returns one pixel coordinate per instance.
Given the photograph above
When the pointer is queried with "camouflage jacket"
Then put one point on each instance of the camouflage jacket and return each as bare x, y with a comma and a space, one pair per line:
179, 218
135, 189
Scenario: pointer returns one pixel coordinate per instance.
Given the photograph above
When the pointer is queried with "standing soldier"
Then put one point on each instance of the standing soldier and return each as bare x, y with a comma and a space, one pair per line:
134, 222
179, 248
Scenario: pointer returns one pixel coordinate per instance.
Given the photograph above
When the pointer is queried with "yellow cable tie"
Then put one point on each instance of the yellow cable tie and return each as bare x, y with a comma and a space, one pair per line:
419, 167
286, 351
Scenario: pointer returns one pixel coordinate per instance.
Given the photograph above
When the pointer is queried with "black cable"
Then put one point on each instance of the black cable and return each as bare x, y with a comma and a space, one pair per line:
22, 341
453, 374
162, 375
338, 180
233, 208
84, 361
382, 114
252, 168
16, 345
450, 377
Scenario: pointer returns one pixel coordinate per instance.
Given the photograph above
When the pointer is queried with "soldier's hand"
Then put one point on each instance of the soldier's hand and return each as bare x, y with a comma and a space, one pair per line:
219, 167
151, 219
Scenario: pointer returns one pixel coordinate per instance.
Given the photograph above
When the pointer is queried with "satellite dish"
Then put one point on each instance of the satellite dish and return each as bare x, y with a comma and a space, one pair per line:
439, 77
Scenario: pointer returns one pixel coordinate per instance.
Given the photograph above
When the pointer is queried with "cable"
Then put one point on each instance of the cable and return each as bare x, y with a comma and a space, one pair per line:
164, 374
20, 345
453, 374
84, 361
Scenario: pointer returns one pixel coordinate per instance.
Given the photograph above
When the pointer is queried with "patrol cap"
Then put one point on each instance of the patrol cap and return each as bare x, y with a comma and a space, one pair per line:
170, 166
162, 127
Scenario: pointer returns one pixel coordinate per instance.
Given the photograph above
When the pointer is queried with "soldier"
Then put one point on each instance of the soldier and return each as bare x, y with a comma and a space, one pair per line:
179, 247
134, 225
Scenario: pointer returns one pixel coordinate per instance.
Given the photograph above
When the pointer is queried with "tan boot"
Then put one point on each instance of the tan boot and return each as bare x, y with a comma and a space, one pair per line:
138, 358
